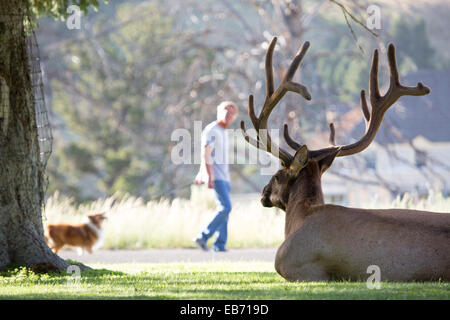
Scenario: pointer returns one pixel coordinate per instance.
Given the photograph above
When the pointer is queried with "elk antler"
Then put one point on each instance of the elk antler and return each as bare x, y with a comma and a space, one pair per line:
263, 140
380, 104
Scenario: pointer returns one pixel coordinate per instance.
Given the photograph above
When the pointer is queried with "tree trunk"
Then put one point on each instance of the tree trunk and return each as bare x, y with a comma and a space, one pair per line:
21, 172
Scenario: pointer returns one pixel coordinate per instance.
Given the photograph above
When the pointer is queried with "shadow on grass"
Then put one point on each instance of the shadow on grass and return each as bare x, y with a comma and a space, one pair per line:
17, 273
75, 298
240, 294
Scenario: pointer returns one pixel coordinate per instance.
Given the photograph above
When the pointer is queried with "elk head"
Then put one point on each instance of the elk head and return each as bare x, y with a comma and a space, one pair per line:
302, 172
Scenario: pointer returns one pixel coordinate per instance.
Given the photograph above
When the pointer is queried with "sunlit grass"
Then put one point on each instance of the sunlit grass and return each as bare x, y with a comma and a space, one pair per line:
435, 201
133, 223
219, 280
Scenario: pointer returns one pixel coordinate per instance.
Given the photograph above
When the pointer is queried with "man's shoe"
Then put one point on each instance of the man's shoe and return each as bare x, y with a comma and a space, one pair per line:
218, 249
201, 244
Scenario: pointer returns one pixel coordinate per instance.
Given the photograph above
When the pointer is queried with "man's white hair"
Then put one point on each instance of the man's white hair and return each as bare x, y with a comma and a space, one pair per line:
221, 107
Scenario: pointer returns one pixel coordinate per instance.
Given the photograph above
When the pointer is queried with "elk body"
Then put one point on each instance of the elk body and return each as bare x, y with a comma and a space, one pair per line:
325, 242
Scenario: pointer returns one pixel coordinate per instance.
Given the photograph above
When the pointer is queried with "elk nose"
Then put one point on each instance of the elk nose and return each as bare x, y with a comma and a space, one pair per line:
265, 200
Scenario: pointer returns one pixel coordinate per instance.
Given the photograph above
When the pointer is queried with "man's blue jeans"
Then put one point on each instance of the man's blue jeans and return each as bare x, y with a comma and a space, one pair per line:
220, 221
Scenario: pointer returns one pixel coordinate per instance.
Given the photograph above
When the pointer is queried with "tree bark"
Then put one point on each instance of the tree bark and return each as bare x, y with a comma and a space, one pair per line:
21, 172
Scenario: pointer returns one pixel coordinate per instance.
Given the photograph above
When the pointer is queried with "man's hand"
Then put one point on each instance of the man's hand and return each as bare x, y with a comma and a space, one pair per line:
198, 178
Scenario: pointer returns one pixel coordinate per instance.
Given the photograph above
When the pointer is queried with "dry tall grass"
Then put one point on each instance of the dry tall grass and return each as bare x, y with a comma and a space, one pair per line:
132, 223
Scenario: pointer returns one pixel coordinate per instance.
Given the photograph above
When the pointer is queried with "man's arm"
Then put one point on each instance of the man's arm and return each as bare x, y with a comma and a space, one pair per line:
209, 166
208, 163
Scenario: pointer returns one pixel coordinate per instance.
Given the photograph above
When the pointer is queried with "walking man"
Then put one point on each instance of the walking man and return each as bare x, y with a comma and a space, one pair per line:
215, 172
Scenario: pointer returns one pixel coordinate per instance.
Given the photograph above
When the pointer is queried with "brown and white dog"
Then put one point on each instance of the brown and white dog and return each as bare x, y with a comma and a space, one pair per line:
86, 236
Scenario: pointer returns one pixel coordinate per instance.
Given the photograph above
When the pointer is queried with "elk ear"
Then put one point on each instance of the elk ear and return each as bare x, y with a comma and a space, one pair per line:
327, 160
300, 160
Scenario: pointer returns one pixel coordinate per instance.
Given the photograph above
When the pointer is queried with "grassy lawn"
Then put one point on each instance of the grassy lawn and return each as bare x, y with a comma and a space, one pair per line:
218, 280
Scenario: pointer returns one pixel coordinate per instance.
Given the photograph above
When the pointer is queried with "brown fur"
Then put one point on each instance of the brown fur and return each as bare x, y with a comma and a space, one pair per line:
81, 235
325, 242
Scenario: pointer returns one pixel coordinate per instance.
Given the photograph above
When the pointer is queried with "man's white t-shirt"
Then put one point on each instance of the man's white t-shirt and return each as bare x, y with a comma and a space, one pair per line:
216, 137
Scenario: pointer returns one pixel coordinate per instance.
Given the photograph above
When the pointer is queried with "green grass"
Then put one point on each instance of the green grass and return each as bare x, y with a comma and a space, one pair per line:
218, 280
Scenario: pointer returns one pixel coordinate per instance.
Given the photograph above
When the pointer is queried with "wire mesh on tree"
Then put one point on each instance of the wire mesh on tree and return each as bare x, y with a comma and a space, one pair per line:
42, 120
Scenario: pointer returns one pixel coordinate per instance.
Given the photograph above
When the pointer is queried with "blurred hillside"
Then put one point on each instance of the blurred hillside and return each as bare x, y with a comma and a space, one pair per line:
435, 15
138, 70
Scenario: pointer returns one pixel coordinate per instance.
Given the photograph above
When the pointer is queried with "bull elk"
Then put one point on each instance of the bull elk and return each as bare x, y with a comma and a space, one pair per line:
323, 241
